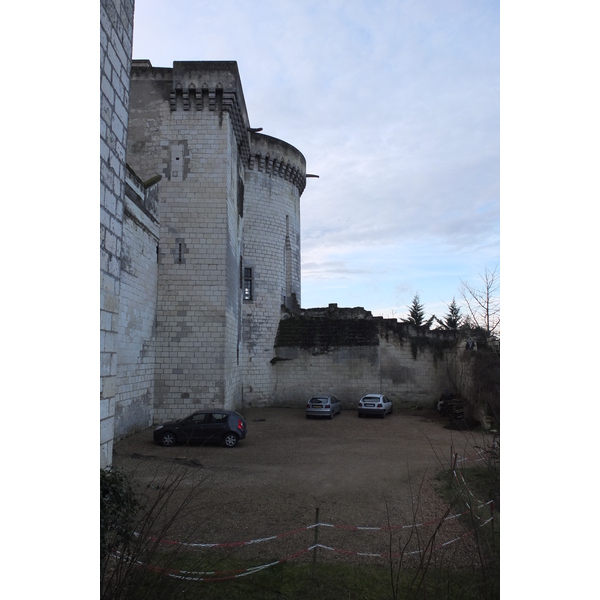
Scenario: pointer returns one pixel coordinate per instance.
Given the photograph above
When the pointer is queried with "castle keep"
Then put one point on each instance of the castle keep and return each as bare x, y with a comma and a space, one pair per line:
228, 256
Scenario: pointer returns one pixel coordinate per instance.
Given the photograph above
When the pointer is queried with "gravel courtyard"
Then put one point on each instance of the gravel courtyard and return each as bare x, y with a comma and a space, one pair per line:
367, 472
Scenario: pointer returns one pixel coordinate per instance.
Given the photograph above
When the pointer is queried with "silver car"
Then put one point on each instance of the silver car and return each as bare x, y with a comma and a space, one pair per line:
323, 406
375, 404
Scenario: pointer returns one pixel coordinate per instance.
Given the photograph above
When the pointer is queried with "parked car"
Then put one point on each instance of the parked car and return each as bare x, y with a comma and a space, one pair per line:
216, 426
323, 406
375, 404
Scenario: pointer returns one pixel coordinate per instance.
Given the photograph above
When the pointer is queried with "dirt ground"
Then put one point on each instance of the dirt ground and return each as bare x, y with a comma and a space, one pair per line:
367, 472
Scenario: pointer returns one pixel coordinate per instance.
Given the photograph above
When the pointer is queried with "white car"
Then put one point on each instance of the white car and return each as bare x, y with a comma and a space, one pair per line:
375, 404
323, 406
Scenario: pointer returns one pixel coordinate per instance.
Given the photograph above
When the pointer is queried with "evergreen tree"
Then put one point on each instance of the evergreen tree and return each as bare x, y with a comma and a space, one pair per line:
416, 313
453, 319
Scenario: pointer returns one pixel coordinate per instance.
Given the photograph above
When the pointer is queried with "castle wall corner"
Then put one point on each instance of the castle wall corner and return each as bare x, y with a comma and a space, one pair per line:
116, 39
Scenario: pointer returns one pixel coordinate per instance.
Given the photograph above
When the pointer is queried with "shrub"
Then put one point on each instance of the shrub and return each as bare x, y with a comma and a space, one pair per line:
118, 508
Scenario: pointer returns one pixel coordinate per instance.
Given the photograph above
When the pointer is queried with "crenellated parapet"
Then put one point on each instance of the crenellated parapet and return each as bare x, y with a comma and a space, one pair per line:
197, 86
277, 158
215, 86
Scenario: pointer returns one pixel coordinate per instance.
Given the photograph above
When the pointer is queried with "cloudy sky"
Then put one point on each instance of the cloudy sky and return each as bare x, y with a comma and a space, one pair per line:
396, 106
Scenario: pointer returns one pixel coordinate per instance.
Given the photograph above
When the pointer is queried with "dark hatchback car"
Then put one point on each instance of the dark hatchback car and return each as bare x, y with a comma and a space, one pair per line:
225, 427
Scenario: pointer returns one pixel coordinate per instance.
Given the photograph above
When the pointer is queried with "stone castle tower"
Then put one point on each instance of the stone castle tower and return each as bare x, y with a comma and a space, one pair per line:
228, 254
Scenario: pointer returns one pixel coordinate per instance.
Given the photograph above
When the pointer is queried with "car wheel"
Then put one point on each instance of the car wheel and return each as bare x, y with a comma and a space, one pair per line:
331, 416
168, 439
230, 440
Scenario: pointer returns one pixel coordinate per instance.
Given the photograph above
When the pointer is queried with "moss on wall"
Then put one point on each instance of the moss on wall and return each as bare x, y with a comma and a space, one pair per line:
437, 346
322, 333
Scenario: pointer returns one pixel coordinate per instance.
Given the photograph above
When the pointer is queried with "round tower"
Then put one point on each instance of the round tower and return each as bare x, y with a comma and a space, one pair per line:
274, 179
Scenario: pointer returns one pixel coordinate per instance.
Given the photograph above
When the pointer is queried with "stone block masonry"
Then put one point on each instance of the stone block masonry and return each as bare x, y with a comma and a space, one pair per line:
116, 30
350, 353
137, 312
229, 205
188, 125
274, 182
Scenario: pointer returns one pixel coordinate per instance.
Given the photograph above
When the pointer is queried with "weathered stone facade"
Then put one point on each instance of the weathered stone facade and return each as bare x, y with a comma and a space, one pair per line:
134, 408
274, 181
193, 147
116, 30
349, 353
229, 215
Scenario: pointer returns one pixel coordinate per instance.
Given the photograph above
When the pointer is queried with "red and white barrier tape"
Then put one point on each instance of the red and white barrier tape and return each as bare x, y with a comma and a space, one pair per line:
307, 528
200, 576
235, 544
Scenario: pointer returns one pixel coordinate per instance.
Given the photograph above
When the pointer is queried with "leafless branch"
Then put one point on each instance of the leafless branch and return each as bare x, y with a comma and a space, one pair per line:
482, 302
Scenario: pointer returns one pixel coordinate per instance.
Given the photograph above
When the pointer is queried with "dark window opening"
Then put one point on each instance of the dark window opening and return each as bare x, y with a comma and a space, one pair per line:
240, 198
179, 251
248, 284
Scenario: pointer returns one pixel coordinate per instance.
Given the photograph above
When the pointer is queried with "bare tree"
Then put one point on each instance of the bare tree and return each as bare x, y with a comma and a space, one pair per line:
483, 302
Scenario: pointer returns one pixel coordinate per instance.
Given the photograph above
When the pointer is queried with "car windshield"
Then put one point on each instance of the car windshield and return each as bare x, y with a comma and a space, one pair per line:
318, 400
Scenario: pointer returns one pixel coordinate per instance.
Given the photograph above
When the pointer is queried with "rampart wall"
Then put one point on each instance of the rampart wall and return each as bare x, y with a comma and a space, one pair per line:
349, 353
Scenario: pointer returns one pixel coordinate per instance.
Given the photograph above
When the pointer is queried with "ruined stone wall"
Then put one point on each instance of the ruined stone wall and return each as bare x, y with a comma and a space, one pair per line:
414, 367
274, 180
349, 353
116, 31
137, 315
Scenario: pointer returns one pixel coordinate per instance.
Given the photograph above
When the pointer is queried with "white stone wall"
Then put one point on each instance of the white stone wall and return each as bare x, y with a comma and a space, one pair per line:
404, 378
346, 372
193, 271
116, 30
348, 353
351, 372
139, 283
232, 370
272, 250
199, 293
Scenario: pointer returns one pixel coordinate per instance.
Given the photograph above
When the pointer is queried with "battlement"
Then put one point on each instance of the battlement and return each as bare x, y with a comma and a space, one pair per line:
194, 86
204, 85
277, 158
